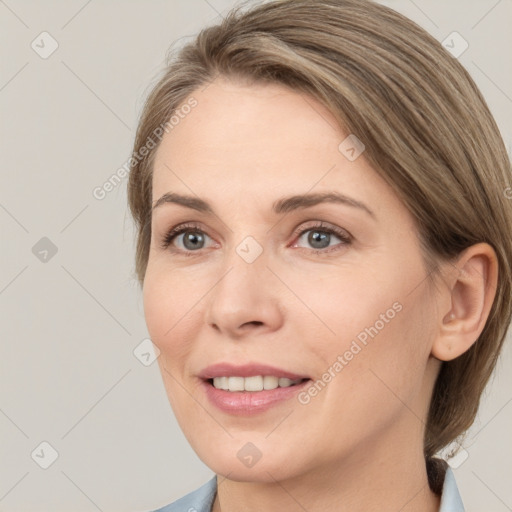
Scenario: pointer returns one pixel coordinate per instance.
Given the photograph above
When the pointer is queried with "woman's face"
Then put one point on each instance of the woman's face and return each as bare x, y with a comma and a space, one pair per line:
330, 291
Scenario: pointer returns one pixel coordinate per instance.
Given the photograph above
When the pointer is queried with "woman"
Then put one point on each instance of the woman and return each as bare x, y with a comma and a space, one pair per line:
324, 235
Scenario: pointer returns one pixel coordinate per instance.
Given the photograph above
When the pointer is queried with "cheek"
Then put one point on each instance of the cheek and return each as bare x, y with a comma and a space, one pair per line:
346, 305
171, 313
170, 310
374, 332
386, 376
371, 385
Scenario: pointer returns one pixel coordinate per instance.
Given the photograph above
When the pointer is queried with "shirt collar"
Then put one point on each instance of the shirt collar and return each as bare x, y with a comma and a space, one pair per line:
450, 498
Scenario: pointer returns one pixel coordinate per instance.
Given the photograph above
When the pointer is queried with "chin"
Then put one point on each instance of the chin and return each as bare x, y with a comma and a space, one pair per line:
243, 461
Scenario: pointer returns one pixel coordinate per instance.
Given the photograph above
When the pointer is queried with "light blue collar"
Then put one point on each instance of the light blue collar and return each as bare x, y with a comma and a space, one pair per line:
450, 499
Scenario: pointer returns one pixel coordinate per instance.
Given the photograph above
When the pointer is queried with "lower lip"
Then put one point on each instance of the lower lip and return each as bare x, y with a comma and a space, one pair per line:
247, 403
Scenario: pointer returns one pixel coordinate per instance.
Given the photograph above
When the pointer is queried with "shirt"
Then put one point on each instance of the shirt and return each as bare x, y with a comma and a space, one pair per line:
201, 500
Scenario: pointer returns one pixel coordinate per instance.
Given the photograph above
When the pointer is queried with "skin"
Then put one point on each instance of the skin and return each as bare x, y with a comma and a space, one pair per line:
357, 445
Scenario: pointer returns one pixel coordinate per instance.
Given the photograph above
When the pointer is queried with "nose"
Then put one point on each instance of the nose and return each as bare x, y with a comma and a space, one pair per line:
247, 299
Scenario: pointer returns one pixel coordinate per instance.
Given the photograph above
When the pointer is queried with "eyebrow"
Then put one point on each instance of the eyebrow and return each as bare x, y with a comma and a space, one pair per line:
283, 205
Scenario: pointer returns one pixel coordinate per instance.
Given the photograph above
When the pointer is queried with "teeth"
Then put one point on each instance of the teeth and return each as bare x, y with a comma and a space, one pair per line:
235, 383
256, 383
222, 382
270, 382
253, 383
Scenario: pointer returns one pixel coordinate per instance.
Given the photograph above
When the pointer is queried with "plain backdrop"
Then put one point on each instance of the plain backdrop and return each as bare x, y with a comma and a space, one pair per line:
74, 396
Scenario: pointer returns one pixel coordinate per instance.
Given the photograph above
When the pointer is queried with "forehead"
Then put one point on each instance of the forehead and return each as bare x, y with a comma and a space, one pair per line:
233, 117
258, 138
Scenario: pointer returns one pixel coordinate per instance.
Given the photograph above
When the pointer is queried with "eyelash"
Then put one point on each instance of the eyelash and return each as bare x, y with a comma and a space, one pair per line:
345, 238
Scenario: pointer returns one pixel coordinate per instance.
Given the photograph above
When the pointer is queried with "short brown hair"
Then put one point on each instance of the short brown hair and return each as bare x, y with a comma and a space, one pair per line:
426, 128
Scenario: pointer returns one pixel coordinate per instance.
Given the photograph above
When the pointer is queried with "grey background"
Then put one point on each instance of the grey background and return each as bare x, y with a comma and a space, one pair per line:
70, 324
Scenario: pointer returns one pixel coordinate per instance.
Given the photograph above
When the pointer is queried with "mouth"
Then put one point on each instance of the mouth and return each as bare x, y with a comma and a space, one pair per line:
253, 395
253, 384
251, 388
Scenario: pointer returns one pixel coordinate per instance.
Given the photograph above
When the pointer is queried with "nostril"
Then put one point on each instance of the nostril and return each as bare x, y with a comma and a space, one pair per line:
254, 322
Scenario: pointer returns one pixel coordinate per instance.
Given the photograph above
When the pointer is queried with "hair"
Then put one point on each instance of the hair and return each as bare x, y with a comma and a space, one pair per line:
425, 125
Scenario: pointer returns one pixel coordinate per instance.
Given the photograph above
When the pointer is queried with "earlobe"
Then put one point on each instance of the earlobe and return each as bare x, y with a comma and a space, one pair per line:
471, 291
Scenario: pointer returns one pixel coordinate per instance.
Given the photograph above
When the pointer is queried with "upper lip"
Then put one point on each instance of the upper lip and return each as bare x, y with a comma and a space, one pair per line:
246, 370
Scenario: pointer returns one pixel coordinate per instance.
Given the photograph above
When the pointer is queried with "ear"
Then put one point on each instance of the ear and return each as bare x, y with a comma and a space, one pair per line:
471, 290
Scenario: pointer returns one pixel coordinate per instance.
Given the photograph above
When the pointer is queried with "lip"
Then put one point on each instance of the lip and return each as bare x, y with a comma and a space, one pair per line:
246, 370
250, 403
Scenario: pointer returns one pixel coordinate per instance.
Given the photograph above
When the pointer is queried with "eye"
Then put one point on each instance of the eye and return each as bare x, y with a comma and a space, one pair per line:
193, 238
321, 235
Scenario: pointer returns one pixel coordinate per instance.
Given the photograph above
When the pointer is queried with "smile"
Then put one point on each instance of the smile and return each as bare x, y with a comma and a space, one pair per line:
237, 402
254, 383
